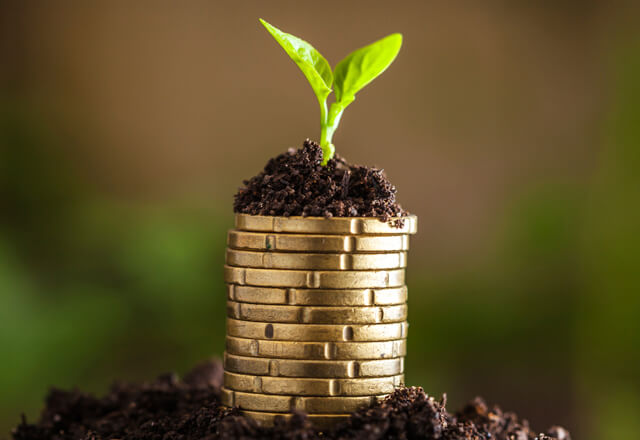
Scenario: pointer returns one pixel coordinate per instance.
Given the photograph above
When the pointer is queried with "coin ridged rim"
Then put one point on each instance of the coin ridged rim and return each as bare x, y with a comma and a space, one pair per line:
321, 225
312, 386
314, 279
333, 369
316, 314
317, 332
317, 297
319, 421
285, 404
316, 350
269, 242
317, 261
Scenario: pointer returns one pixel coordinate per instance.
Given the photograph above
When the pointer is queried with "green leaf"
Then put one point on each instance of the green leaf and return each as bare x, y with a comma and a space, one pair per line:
362, 66
314, 66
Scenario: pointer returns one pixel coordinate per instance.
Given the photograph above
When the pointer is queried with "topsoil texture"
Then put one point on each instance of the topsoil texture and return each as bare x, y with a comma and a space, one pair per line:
173, 409
296, 184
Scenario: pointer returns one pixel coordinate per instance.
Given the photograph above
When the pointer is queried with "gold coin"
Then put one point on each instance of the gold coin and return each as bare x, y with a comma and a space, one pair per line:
312, 387
320, 225
319, 421
310, 405
316, 350
293, 260
316, 243
316, 315
317, 297
314, 279
316, 332
305, 368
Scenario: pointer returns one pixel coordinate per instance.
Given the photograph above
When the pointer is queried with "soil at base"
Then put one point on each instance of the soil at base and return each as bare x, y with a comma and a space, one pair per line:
296, 184
173, 409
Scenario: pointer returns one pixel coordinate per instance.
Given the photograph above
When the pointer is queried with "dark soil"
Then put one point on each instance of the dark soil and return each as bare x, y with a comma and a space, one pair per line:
173, 409
294, 183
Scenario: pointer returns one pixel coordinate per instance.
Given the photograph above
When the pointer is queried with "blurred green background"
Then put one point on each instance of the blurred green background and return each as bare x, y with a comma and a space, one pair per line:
510, 129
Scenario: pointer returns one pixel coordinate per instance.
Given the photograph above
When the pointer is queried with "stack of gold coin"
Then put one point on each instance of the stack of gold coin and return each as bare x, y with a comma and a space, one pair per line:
316, 315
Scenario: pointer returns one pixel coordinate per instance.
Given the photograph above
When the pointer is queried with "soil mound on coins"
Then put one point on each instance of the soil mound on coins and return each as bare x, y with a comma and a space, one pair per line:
295, 183
173, 409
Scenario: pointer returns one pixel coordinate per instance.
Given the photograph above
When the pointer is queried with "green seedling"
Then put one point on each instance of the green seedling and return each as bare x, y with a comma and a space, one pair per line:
351, 74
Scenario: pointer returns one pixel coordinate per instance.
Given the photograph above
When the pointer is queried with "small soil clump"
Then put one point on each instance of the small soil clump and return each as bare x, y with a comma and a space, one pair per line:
296, 184
173, 409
